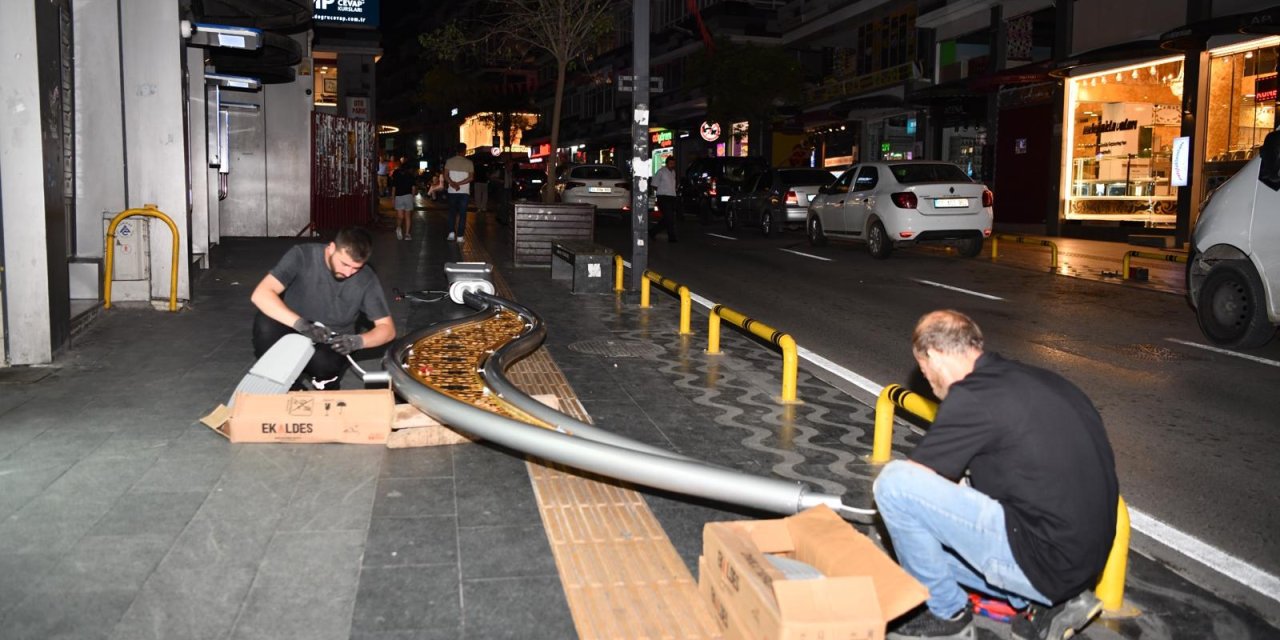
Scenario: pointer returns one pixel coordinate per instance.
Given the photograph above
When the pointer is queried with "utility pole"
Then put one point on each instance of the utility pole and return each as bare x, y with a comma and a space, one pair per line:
641, 167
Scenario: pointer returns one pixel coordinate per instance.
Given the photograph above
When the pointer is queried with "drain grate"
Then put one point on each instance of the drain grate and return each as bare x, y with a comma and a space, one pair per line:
617, 348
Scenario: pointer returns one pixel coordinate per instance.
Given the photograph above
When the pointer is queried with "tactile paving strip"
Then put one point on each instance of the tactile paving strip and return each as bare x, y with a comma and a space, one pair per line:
621, 576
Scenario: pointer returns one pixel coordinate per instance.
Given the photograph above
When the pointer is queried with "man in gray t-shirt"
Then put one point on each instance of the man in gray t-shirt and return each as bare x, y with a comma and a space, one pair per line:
319, 291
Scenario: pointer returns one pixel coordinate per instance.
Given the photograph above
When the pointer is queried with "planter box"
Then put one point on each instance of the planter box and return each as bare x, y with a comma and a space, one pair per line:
535, 225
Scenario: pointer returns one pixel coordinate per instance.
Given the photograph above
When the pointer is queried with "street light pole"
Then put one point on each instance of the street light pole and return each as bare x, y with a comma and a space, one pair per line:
641, 168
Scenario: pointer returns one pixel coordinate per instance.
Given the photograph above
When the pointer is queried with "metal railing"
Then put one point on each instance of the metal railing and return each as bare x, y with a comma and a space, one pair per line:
150, 211
676, 289
1167, 257
1110, 585
1053, 246
784, 341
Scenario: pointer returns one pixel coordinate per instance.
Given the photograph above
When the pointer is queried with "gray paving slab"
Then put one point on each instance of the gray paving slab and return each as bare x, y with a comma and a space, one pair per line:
304, 588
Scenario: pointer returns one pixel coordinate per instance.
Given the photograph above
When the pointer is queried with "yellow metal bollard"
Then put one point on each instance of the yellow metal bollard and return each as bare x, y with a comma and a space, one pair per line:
713, 333
1110, 587
995, 246
790, 367
896, 396
150, 211
617, 273
790, 356
1167, 257
644, 293
686, 308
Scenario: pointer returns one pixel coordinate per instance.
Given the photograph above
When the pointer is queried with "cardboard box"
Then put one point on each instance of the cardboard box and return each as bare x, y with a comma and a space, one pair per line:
354, 417
861, 591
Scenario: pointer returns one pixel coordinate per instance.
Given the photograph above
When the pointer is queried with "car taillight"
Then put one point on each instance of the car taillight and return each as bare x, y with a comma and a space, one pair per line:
574, 185
905, 200
711, 187
792, 198
622, 185
988, 198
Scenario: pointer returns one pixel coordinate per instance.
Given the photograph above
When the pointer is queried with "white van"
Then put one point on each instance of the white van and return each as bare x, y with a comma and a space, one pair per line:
1233, 273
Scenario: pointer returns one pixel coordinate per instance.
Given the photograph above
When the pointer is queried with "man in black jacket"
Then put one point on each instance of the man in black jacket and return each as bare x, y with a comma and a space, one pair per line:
1032, 522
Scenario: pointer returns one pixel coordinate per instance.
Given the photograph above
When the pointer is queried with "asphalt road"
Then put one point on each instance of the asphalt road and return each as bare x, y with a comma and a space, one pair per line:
1195, 432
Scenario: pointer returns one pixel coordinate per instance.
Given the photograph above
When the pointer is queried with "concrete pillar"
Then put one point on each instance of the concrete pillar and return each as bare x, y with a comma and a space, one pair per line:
287, 118
152, 87
25, 293
100, 181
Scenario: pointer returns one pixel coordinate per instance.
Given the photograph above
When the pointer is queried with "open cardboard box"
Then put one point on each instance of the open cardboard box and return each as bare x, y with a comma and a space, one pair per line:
355, 417
861, 590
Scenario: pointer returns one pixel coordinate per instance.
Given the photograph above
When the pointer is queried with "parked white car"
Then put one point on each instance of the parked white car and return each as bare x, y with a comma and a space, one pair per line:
603, 185
889, 204
1233, 273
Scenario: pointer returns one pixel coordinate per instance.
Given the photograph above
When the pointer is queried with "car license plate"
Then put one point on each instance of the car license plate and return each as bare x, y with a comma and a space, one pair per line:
599, 189
811, 196
724, 198
950, 203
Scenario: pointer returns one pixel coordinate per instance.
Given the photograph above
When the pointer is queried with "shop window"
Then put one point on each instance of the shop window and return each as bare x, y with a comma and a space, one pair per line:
1242, 99
1123, 123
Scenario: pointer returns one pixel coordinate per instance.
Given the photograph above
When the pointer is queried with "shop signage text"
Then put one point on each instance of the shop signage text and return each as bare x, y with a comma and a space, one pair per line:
1264, 88
1108, 126
662, 138
351, 13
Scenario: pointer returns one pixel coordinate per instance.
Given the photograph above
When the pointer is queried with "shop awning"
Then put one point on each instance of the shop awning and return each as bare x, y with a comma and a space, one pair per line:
1196, 35
1116, 53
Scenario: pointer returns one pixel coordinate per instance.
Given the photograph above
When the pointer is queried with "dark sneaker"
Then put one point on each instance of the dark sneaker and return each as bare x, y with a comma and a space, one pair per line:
923, 624
1060, 621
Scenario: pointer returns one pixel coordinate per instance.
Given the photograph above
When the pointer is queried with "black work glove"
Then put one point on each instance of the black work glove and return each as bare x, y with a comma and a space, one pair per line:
317, 332
345, 344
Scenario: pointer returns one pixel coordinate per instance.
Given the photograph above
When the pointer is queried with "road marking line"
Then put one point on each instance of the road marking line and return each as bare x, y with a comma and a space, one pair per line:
807, 255
1207, 554
1212, 557
947, 286
1225, 352
716, 235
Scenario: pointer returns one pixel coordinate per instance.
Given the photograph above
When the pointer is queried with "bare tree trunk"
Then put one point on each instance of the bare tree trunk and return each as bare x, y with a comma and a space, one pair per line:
548, 191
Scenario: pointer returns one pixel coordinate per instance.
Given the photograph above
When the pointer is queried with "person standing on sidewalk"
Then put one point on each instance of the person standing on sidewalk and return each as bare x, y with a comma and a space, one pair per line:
320, 291
664, 184
480, 187
383, 176
458, 175
404, 187
1033, 520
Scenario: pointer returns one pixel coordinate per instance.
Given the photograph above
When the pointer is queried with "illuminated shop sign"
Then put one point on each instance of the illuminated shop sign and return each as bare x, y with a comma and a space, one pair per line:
348, 13
710, 131
1181, 151
1264, 88
661, 139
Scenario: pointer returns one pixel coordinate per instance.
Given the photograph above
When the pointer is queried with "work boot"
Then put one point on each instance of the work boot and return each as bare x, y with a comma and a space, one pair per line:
924, 624
1060, 621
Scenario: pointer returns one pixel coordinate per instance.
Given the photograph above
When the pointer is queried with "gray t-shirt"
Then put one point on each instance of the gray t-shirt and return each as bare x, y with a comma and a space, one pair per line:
313, 293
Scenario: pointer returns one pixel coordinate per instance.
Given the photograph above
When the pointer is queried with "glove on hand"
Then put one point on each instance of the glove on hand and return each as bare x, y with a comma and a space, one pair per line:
345, 344
317, 332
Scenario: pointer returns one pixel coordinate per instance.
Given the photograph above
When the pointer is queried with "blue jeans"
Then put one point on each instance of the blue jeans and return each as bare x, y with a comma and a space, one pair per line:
458, 212
947, 535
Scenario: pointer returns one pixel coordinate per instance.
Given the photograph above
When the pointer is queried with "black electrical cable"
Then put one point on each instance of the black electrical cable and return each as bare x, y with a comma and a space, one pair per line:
425, 295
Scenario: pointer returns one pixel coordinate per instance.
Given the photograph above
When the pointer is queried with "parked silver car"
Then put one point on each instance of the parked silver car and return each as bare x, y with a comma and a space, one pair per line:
603, 185
776, 198
897, 203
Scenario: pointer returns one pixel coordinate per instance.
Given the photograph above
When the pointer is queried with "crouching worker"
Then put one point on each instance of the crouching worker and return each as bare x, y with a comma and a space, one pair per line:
319, 290
1034, 521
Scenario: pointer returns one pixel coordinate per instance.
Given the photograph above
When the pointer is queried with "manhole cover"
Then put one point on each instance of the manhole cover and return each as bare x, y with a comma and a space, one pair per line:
616, 348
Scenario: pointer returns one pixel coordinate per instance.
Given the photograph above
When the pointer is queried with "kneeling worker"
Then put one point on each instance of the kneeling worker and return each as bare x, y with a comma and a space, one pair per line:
1036, 525
319, 291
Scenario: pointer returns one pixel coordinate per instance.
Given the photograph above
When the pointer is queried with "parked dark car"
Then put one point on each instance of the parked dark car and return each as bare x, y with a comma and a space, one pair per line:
775, 199
526, 184
708, 183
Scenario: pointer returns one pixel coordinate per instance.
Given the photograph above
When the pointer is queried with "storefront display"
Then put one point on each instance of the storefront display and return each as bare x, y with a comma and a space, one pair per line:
1122, 123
